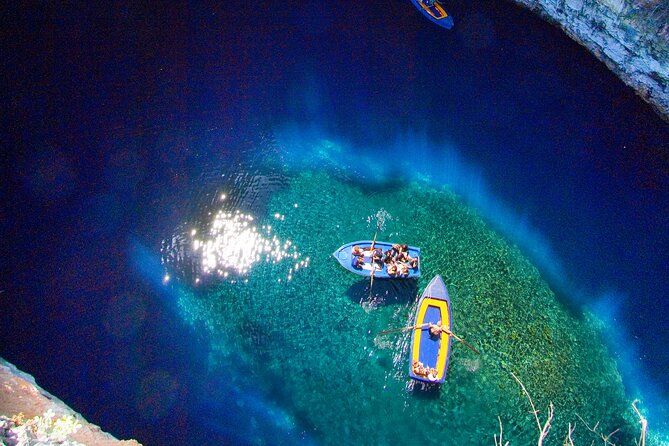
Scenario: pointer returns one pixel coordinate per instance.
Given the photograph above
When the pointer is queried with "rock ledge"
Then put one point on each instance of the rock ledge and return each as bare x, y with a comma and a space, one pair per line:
630, 36
19, 393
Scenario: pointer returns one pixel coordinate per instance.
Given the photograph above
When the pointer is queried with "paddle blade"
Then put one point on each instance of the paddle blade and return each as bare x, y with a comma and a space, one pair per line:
450, 333
395, 330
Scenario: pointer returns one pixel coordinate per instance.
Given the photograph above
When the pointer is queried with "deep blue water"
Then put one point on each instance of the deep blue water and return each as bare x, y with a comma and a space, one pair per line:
116, 117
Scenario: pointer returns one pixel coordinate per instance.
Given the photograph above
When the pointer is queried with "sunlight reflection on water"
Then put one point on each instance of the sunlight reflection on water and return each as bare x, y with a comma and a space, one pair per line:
233, 243
230, 246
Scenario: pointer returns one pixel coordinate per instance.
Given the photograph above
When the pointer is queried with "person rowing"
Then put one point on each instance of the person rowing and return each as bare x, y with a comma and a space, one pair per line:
436, 329
377, 256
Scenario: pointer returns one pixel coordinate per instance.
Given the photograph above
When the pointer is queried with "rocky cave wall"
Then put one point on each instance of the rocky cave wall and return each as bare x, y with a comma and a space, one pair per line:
630, 37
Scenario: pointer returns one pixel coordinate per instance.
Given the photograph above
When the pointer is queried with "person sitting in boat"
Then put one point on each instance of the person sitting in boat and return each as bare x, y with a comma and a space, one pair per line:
396, 249
401, 257
357, 251
432, 374
403, 253
404, 269
418, 368
435, 329
388, 258
404, 256
391, 254
377, 256
391, 269
410, 261
357, 262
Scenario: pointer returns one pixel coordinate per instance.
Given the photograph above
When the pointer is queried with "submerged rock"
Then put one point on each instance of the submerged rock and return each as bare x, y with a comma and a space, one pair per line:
630, 36
20, 394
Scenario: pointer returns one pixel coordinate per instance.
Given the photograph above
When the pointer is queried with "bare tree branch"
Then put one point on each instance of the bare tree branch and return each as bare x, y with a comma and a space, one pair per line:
547, 425
568, 440
605, 438
543, 431
534, 410
644, 425
499, 443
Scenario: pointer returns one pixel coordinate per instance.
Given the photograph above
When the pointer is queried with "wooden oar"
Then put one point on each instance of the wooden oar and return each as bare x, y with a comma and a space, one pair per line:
450, 333
444, 329
374, 240
401, 329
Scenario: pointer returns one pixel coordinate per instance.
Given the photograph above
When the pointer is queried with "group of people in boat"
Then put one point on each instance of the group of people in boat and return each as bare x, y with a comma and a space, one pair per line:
396, 259
419, 369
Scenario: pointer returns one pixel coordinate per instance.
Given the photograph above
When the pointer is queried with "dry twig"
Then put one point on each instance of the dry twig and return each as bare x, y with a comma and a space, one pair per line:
543, 431
499, 442
567, 440
605, 438
644, 425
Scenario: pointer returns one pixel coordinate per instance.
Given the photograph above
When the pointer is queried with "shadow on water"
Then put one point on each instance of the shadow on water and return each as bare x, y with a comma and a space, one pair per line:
384, 292
382, 179
425, 391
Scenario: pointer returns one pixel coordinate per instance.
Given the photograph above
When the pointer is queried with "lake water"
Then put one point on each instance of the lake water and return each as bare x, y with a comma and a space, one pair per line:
178, 189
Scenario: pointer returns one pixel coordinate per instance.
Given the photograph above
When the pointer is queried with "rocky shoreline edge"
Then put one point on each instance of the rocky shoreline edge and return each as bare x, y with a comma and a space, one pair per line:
20, 394
631, 38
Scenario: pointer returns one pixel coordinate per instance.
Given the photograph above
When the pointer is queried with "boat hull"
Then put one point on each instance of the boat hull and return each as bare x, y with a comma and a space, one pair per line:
433, 352
344, 257
435, 13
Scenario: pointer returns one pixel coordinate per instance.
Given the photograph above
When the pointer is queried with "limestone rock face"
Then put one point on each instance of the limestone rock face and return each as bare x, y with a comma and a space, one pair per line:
20, 394
630, 36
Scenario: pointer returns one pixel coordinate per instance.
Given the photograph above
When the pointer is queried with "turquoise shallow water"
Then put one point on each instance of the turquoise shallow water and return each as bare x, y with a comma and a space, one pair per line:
301, 333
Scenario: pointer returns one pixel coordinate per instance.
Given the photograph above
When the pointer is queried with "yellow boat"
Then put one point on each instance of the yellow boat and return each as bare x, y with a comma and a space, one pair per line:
429, 352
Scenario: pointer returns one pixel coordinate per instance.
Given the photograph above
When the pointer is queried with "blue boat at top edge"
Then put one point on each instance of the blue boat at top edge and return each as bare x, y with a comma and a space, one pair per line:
344, 257
432, 351
435, 12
